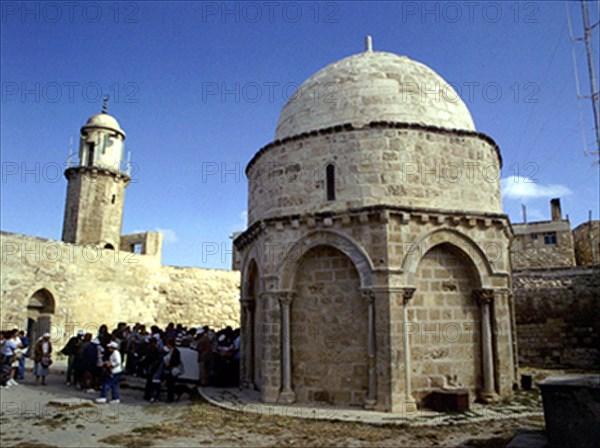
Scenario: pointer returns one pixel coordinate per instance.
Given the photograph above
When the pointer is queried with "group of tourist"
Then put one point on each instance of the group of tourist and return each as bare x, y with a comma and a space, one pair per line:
96, 363
14, 348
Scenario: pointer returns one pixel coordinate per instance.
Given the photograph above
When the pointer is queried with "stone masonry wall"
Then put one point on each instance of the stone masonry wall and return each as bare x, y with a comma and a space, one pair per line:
92, 286
587, 243
94, 207
403, 167
446, 343
329, 341
557, 317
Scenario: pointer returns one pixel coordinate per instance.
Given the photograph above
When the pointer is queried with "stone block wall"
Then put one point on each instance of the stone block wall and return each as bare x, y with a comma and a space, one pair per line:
445, 337
92, 286
412, 167
557, 317
328, 322
587, 243
94, 207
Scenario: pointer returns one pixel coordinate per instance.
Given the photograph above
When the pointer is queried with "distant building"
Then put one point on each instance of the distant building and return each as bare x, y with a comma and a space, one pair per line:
543, 244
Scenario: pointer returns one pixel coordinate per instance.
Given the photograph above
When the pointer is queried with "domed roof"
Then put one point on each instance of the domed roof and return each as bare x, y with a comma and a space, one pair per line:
373, 86
105, 121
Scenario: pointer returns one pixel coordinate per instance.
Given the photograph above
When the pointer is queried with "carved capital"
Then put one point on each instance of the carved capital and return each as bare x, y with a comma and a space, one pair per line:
407, 295
368, 295
483, 296
285, 297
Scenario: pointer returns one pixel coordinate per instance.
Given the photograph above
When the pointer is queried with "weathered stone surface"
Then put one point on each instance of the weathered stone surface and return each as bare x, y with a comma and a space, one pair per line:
587, 243
89, 286
373, 86
329, 342
557, 317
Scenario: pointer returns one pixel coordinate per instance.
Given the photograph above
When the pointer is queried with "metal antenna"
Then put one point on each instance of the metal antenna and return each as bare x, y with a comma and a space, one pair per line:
590, 60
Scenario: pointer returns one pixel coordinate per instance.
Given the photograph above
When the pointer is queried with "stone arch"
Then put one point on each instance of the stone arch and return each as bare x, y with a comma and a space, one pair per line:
446, 345
352, 249
450, 237
328, 330
249, 269
40, 308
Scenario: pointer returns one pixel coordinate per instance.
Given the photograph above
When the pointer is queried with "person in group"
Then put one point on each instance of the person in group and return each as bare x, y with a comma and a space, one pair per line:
89, 359
172, 368
8, 351
99, 372
151, 364
205, 356
71, 350
103, 335
114, 370
25, 354
42, 357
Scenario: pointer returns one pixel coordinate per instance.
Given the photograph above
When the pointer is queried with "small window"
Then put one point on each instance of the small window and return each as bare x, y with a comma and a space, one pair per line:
109, 246
550, 238
136, 248
534, 236
112, 201
330, 180
90, 158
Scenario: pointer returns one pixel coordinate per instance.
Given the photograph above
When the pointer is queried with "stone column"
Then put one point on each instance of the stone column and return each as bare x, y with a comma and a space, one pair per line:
287, 394
270, 340
247, 366
485, 297
407, 296
371, 399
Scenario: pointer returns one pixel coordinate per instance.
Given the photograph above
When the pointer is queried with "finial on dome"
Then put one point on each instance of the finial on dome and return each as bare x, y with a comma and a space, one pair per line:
368, 44
105, 104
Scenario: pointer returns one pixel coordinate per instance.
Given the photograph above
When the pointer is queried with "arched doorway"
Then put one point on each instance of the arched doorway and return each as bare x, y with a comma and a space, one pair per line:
329, 325
40, 309
445, 336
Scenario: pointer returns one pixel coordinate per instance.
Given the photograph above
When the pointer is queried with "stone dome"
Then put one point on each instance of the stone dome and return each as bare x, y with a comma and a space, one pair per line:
103, 121
373, 86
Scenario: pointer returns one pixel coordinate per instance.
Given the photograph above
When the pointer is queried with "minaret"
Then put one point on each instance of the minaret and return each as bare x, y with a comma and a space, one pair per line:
96, 187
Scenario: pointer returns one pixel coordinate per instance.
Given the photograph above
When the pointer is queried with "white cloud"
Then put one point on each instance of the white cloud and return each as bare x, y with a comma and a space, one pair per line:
516, 187
169, 235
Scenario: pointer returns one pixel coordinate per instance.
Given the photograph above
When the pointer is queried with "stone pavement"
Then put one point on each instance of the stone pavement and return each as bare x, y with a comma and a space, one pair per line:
523, 404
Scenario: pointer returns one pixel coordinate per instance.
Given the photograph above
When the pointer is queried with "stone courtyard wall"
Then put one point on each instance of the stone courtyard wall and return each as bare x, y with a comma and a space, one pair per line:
557, 317
93, 286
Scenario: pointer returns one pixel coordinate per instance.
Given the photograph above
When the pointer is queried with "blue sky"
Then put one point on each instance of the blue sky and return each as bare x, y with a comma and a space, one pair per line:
162, 63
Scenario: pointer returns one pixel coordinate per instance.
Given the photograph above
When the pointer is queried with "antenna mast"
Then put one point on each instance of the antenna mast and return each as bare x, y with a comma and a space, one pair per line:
590, 59
587, 30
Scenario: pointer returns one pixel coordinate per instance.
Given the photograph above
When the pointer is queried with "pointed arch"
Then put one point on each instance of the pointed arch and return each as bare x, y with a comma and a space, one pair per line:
42, 300
460, 242
352, 249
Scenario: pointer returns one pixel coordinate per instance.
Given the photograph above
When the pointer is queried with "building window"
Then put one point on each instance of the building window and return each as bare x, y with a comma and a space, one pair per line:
330, 182
534, 236
136, 248
112, 201
550, 238
90, 155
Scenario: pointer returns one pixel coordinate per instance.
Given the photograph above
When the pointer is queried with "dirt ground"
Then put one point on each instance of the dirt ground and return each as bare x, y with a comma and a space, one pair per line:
28, 419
